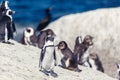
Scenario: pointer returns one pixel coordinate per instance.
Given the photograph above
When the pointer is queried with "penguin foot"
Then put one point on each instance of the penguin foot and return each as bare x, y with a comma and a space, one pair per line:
53, 74
8, 42
45, 72
62, 66
77, 70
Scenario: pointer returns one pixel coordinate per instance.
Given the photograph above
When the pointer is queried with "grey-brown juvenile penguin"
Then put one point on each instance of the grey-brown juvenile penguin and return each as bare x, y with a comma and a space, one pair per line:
82, 47
68, 55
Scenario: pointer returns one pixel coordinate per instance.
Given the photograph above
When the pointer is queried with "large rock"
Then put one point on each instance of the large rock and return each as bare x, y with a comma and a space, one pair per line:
103, 24
19, 62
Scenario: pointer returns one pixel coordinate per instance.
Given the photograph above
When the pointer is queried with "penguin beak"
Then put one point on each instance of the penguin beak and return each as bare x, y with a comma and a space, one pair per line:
54, 35
11, 12
57, 46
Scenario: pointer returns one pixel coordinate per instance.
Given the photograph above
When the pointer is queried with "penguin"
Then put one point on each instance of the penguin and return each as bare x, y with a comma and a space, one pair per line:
82, 47
29, 37
48, 57
45, 21
82, 50
4, 30
94, 62
10, 25
69, 56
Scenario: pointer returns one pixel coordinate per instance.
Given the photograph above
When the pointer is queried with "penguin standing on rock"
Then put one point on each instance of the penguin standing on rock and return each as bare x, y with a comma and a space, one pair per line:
29, 37
94, 62
5, 30
6, 22
47, 60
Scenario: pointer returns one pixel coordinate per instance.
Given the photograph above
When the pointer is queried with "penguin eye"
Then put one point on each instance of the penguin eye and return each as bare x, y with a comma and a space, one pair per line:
28, 30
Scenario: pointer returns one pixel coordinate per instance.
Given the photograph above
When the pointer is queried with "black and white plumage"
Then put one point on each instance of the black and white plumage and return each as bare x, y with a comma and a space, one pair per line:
45, 21
29, 37
48, 57
4, 6
5, 29
94, 62
6, 22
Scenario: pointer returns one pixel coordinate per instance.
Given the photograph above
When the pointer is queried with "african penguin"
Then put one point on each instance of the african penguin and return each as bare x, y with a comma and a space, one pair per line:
29, 37
94, 62
48, 57
7, 20
4, 29
69, 56
81, 48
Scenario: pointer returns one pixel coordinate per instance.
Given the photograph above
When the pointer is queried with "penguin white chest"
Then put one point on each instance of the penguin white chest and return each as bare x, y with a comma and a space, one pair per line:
92, 62
48, 60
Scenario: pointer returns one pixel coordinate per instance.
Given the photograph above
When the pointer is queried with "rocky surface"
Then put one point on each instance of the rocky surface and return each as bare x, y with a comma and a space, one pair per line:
103, 25
20, 62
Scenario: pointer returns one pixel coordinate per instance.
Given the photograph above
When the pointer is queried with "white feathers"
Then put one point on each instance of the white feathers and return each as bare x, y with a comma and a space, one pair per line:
7, 13
6, 5
6, 33
27, 35
80, 39
48, 60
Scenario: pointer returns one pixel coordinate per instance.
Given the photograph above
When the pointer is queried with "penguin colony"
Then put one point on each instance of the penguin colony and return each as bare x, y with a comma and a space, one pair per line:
45, 41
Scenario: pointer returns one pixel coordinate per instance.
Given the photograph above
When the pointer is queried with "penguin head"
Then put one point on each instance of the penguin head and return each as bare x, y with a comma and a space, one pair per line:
4, 5
62, 45
29, 31
50, 38
93, 56
50, 32
88, 40
8, 12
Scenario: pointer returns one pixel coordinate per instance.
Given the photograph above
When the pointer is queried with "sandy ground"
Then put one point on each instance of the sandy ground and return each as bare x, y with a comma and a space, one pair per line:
20, 62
